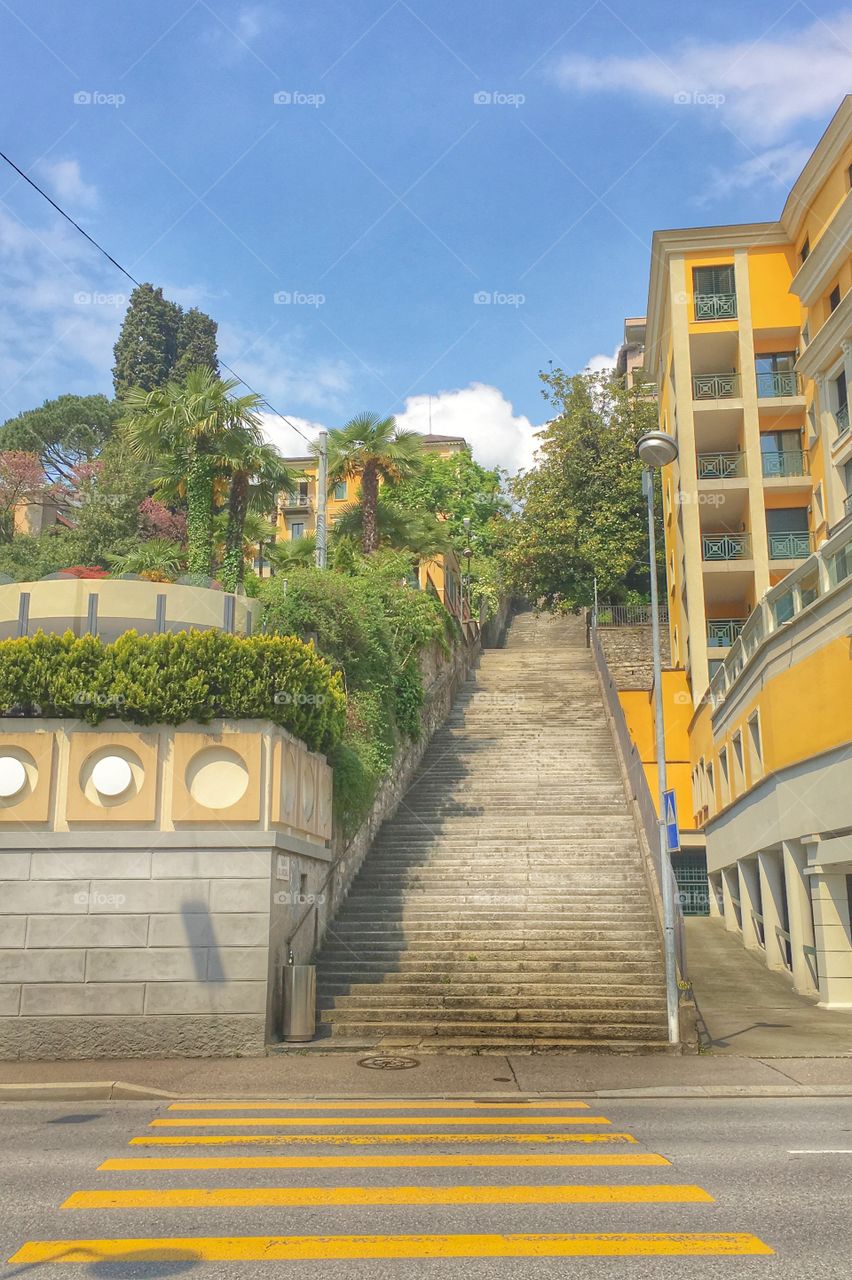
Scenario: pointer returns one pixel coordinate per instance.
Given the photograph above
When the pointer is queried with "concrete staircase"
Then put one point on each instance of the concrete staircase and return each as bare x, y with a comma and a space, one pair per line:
505, 904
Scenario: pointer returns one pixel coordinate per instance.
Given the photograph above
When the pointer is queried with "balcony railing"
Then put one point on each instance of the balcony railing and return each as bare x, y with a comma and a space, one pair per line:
715, 306
726, 546
784, 462
720, 466
842, 419
847, 505
296, 500
789, 546
722, 632
715, 386
772, 385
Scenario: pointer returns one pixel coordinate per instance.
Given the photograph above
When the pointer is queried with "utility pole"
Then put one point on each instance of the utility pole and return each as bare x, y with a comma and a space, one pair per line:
322, 501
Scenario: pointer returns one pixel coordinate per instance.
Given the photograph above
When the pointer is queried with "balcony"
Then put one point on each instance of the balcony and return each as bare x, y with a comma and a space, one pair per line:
720, 466
715, 306
726, 546
773, 385
847, 505
295, 502
784, 462
715, 386
789, 546
722, 632
841, 417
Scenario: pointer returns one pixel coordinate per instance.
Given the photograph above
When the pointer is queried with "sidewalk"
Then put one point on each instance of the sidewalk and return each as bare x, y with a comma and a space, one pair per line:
751, 1011
339, 1075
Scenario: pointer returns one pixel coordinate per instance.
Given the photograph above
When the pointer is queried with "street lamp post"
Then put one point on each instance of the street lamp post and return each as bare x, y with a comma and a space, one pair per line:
656, 450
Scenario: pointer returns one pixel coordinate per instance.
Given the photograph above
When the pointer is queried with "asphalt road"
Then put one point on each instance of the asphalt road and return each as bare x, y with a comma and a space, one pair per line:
712, 1189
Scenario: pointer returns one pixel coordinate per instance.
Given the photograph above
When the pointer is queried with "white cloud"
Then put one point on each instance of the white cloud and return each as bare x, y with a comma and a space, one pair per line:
66, 183
482, 414
779, 165
602, 363
287, 440
767, 85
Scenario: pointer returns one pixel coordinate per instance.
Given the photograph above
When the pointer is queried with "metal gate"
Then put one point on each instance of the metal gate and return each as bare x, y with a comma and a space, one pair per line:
693, 887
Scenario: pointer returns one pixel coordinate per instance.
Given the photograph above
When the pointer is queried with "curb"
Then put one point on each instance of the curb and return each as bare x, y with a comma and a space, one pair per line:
122, 1091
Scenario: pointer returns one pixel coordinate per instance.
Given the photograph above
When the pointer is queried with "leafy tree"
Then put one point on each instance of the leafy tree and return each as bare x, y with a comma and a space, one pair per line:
158, 559
22, 482
370, 449
415, 529
147, 346
455, 487
189, 432
584, 515
294, 553
104, 510
196, 343
64, 432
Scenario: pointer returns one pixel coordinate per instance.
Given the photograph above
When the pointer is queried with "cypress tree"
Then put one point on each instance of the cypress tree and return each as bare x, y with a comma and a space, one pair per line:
196, 344
146, 350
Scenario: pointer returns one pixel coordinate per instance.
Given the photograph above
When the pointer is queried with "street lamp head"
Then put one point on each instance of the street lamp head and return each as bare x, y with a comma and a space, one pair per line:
656, 449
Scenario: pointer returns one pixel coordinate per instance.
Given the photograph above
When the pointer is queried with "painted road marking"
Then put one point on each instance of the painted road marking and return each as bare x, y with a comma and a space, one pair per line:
380, 1197
365, 1121
414, 1104
144, 1163
366, 1139
340, 1248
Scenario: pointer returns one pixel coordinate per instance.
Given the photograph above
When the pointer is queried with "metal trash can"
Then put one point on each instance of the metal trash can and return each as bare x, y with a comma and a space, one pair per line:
300, 1002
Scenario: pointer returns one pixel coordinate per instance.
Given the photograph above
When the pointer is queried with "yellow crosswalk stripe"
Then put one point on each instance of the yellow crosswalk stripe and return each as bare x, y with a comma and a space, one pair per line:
394, 1104
368, 1121
381, 1197
340, 1248
469, 1161
365, 1139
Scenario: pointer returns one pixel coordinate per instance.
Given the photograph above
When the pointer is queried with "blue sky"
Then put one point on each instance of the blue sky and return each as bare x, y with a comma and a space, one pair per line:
423, 155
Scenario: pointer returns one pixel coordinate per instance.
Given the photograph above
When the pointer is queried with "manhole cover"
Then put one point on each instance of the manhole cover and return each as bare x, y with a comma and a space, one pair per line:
388, 1062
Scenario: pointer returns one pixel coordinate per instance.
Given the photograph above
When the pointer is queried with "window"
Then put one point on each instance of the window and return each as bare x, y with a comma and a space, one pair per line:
755, 747
739, 767
841, 401
849, 175
340, 491
713, 280
724, 776
711, 791
714, 293
781, 453
834, 298
297, 530
776, 373
805, 250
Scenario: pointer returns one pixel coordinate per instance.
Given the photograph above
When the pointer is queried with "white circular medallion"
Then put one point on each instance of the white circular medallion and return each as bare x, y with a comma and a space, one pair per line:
13, 777
112, 776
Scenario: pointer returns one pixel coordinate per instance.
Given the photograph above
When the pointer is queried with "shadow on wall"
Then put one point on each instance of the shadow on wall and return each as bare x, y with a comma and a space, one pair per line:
201, 940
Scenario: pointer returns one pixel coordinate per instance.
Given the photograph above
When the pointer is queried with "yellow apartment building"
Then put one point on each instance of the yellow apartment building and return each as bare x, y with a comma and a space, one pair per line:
749, 341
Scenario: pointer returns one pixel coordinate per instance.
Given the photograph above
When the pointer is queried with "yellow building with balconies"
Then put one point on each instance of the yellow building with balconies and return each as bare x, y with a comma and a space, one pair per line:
749, 341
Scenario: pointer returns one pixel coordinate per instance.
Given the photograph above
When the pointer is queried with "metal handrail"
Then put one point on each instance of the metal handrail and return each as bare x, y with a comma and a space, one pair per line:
715, 386
841, 417
784, 462
722, 632
790, 546
627, 615
774, 383
715, 306
725, 546
639, 789
721, 466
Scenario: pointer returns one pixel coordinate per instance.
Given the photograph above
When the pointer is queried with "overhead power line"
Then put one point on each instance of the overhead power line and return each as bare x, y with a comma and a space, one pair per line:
133, 280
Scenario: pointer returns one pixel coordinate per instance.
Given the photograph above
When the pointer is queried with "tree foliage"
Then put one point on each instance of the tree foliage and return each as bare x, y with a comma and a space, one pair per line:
583, 513
64, 432
371, 449
456, 487
160, 341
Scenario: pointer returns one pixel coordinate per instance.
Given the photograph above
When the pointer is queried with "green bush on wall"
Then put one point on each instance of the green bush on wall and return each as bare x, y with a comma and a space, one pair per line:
173, 678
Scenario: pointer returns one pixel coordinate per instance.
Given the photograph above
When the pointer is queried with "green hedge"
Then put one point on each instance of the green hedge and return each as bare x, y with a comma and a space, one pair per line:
170, 679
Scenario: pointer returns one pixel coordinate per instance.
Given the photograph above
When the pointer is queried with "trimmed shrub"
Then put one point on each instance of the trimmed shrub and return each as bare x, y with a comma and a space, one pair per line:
173, 678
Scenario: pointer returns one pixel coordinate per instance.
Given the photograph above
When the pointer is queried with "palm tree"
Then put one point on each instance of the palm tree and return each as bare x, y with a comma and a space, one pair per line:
159, 559
182, 428
372, 449
295, 553
419, 532
258, 474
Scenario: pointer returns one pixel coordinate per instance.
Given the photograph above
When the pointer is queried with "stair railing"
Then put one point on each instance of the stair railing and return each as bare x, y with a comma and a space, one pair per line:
640, 792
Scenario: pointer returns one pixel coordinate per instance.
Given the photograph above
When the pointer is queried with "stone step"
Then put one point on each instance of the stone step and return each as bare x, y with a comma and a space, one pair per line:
407, 1025
647, 1004
532, 986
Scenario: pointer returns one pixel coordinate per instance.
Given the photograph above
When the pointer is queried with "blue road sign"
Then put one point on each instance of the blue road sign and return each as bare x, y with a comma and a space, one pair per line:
670, 815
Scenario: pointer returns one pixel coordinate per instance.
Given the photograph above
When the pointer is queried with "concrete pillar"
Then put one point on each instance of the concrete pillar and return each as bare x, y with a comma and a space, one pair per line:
800, 916
771, 875
749, 902
730, 891
830, 897
714, 886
